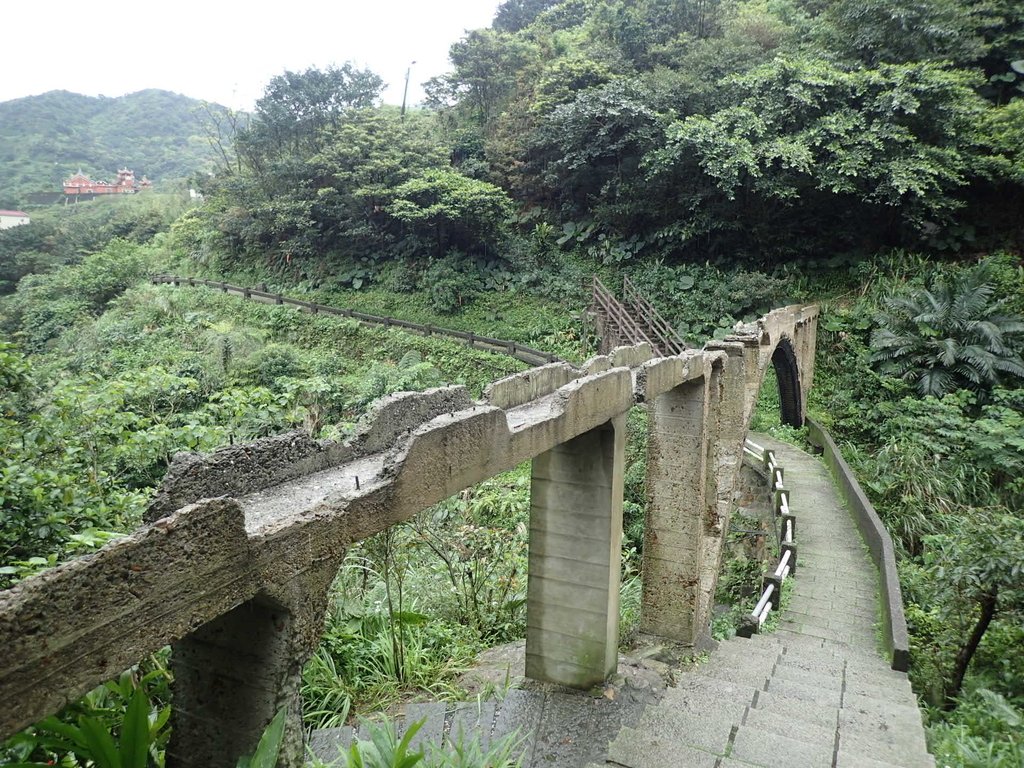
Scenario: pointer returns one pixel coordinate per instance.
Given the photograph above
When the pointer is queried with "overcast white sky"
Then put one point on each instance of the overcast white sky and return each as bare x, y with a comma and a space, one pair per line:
224, 50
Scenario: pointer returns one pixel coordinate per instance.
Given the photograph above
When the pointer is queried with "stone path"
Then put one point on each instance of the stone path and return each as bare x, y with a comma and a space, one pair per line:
818, 692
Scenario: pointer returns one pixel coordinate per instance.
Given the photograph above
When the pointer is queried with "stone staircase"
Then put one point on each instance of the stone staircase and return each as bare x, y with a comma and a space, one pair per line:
819, 691
783, 699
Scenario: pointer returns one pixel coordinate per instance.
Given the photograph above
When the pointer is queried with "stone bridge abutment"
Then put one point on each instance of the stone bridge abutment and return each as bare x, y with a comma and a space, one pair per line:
240, 547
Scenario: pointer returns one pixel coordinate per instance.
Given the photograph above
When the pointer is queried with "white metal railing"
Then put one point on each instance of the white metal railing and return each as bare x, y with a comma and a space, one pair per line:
764, 605
771, 595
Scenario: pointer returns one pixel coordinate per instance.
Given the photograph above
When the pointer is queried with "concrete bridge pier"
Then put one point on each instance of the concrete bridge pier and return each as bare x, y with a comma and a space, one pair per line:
233, 674
682, 506
572, 615
728, 429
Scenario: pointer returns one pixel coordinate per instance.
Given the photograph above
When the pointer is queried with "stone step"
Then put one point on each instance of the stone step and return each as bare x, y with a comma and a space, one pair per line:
815, 625
743, 649
898, 749
432, 731
772, 750
785, 639
876, 673
700, 689
576, 728
700, 713
817, 664
826, 697
753, 675
886, 715
705, 724
797, 708
519, 712
472, 720
642, 749
326, 744
844, 613
897, 691
864, 661
791, 727
798, 643
794, 674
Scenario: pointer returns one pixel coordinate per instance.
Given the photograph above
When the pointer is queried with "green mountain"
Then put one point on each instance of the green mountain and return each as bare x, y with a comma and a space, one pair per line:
46, 138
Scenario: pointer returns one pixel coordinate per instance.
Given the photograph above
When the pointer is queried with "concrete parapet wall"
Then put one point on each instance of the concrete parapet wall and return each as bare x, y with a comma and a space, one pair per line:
521, 388
239, 469
396, 415
631, 357
70, 628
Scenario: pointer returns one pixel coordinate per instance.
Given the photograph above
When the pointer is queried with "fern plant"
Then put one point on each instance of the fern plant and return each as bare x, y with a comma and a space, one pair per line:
951, 335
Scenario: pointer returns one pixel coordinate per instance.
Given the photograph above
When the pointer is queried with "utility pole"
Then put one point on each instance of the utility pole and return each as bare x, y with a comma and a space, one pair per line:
405, 91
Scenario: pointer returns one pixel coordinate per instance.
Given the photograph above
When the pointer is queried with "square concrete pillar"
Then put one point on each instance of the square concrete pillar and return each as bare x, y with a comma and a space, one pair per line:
572, 613
715, 515
233, 674
677, 472
230, 678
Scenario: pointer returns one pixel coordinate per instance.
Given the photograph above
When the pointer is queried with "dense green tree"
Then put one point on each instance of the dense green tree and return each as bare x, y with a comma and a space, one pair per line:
804, 144
1000, 24
297, 106
588, 154
899, 31
450, 210
514, 15
487, 69
315, 208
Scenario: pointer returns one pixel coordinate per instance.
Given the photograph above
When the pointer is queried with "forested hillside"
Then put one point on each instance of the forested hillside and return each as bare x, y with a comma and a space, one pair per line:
46, 138
750, 132
727, 157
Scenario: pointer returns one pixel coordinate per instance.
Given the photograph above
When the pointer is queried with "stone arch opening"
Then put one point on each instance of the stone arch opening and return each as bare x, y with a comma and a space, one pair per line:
787, 374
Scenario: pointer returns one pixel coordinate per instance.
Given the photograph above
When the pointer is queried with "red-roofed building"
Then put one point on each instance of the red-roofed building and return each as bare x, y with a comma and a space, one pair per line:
80, 184
10, 219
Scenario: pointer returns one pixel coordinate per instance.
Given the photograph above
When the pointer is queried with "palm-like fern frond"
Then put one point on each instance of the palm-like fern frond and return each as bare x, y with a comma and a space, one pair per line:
950, 335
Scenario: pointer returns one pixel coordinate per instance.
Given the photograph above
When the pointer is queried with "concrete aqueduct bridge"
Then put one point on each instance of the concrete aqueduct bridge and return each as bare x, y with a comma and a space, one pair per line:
234, 563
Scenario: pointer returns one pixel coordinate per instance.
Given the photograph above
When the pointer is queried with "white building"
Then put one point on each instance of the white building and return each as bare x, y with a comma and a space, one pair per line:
10, 219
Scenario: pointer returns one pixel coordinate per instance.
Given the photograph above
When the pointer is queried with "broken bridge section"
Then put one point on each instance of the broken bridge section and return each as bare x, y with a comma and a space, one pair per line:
240, 546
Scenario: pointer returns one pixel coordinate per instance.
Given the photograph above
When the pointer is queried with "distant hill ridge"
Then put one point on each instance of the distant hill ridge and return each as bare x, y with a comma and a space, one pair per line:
46, 138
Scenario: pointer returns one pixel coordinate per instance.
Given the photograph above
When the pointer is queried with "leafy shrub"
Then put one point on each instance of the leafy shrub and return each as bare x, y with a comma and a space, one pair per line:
275, 361
451, 282
384, 749
986, 733
45, 304
122, 724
